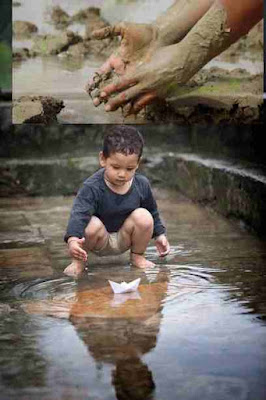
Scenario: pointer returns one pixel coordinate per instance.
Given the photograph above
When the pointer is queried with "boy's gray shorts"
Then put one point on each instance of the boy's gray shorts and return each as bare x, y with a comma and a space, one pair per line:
113, 246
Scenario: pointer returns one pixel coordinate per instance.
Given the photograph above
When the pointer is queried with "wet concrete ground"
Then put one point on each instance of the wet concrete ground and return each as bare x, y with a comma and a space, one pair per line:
32, 230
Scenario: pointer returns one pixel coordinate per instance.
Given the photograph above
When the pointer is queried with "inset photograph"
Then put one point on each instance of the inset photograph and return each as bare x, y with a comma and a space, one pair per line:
137, 62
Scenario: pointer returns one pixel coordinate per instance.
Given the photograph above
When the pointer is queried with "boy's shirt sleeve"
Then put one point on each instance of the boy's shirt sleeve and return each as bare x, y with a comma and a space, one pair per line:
150, 204
84, 206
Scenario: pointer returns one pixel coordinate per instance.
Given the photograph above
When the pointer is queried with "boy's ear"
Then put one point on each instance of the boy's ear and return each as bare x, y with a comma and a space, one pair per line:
102, 159
139, 162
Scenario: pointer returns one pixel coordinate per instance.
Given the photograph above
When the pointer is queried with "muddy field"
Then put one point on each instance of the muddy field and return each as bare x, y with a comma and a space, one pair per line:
56, 59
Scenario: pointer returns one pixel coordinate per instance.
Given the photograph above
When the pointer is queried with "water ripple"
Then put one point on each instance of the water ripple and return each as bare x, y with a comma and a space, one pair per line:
60, 288
182, 279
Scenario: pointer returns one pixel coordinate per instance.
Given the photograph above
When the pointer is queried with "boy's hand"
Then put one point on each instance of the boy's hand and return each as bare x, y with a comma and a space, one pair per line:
162, 245
75, 248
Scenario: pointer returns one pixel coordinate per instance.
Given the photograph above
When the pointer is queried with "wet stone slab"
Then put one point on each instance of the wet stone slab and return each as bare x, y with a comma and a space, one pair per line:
27, 262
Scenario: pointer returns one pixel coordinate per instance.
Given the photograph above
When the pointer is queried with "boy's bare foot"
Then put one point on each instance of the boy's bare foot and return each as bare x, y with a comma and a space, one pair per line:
75, 268
140, 261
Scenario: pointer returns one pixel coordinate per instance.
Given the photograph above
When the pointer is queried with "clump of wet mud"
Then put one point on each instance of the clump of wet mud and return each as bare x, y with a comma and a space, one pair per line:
24, 29
66, 42
59, 17
99, 81
36, 110
54, 44
21, 54
87, 14
92, 19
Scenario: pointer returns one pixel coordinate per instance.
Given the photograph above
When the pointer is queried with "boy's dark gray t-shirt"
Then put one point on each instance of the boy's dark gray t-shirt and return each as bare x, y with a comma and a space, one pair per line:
96, 198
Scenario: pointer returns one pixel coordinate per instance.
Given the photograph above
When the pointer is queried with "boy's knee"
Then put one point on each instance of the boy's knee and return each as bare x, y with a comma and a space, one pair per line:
94, 227
142, 218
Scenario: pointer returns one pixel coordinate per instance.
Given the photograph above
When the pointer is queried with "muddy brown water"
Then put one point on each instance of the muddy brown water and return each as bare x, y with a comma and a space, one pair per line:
195, 328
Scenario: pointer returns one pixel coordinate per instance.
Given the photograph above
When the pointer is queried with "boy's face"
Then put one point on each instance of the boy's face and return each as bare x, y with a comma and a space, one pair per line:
119, 168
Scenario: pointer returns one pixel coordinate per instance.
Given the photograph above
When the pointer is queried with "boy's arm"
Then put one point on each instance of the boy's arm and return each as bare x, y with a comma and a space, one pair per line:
84, 207
150, 204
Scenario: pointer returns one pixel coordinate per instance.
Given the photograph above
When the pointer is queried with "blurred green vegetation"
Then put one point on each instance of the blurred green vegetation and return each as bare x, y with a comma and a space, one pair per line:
5, 66
5, 45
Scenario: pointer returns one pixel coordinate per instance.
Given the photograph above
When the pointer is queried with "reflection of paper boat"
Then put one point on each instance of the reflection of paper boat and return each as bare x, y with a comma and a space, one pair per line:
124, 287
118, 299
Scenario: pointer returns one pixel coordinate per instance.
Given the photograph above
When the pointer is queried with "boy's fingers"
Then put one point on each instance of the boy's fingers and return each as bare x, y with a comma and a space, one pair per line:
122, 98
163, 254
163, 249
81, 256
83, 253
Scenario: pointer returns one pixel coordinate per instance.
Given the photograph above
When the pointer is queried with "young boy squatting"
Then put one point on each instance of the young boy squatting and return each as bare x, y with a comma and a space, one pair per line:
115, 209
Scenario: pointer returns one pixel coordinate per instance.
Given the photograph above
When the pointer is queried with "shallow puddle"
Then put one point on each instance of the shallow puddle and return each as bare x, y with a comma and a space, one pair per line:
191, 329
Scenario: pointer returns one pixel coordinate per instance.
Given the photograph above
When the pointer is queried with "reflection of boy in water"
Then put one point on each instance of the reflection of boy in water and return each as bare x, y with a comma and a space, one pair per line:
120, 335
115, 210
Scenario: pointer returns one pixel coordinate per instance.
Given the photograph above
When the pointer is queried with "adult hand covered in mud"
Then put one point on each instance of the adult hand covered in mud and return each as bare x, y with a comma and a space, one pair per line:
150, 79
138, 41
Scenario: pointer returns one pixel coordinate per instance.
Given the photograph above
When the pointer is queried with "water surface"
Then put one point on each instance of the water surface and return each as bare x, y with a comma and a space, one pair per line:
196, 326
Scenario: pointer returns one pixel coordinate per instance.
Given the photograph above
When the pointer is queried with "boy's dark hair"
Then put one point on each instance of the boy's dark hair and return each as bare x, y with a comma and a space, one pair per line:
122, 139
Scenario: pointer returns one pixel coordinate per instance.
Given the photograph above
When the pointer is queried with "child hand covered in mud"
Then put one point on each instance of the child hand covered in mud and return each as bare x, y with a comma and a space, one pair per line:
115, 210
155, 58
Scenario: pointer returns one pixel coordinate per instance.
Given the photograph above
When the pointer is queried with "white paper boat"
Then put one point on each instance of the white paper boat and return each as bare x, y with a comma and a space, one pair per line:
124, 287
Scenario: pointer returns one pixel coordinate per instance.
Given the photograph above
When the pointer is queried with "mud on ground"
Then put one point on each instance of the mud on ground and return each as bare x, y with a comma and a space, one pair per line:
36, 109
44, 45
214, 96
